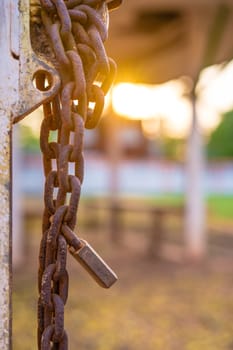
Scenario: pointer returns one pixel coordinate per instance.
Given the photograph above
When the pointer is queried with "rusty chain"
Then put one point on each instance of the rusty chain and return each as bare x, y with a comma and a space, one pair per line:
76, 31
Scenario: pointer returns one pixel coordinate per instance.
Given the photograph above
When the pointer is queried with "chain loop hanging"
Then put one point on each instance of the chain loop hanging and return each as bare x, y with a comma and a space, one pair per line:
76, 31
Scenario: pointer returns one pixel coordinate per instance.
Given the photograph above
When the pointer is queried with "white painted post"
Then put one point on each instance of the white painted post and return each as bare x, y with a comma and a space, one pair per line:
195, 236
8, 96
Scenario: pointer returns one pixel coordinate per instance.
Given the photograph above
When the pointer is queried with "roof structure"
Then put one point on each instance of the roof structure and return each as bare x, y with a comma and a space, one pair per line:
154, 41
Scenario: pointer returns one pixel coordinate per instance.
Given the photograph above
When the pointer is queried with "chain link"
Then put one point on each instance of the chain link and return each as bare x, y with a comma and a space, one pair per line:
76, 30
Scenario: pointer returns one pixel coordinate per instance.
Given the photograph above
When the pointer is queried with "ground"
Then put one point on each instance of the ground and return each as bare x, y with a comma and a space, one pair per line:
157, 304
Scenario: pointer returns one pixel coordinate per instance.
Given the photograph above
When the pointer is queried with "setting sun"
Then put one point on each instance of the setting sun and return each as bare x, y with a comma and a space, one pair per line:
154, 102
169, 102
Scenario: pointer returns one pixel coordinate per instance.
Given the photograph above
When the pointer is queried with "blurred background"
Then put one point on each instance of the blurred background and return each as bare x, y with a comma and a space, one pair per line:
157, 198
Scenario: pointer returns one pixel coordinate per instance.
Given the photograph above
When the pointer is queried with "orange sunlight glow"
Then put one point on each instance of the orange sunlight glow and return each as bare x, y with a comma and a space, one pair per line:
33, 121
152, 102
167, 102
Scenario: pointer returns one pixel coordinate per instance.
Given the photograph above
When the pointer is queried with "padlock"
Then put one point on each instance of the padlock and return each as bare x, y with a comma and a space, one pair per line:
94, 265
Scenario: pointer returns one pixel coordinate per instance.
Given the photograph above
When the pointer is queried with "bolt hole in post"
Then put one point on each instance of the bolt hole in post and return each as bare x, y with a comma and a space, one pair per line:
46, 77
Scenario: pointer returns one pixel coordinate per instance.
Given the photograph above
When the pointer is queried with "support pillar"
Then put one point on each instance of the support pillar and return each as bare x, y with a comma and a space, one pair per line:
114, 156
195, 235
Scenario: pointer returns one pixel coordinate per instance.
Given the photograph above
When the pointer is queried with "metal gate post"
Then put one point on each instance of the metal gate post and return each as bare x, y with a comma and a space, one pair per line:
8, 96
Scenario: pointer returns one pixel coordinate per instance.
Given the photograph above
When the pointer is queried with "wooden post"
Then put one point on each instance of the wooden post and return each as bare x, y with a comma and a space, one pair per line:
156, 233
114, 155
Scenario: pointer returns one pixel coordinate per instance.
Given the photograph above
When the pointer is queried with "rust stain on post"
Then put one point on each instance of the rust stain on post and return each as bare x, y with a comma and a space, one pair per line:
8, 95
29, 98
5, 234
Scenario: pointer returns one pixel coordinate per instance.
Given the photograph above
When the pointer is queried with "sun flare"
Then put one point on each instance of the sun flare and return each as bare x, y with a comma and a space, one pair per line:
156, 102
170, 104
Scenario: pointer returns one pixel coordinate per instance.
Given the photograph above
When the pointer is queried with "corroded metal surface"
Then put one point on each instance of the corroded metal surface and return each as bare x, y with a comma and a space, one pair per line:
29, 97
77, 30
18, 97
26, 82
8, 96
5, 228
94, 265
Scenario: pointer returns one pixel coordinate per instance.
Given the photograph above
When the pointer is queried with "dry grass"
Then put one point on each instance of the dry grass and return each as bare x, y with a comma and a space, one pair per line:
155, 305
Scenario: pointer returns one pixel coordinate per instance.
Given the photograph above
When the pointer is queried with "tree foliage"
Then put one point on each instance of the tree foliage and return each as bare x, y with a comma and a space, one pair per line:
28, 140
220, 144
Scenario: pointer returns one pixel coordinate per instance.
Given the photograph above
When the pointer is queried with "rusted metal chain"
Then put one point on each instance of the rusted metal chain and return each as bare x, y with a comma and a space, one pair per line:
76, 30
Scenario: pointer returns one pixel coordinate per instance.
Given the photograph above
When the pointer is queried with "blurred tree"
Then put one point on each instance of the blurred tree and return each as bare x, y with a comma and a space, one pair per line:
220, 143
173, 148
28, 140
